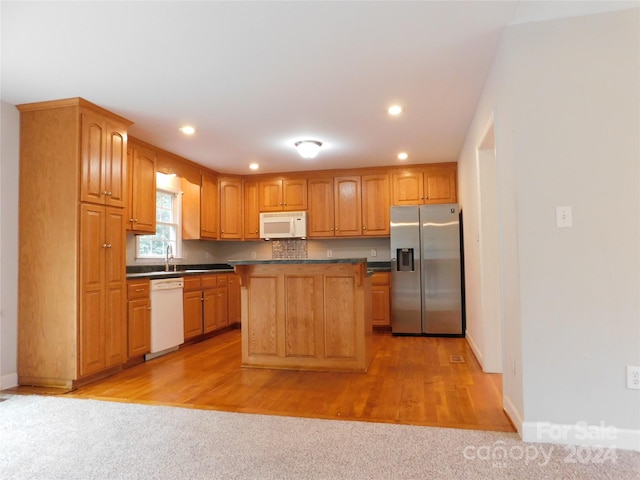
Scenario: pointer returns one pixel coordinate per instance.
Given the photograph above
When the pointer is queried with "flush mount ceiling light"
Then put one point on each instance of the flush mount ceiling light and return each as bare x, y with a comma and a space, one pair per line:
308, 148
254, 166
187, 130
395, 110
403, 156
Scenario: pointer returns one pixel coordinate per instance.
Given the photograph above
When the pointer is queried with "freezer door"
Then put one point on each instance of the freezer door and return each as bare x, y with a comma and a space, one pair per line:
441, 275
406, 304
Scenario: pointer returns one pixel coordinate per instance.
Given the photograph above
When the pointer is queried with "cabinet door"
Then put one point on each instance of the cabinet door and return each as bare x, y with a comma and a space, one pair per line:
321, 211
192, 311
139, 327
91, 341
251, 210
115, 287
380, 305
143, 190
440, 185
209, 311
231, 209
233, 299
116, 166
92, 159
375, 205
348, 205
294, 194
271, 196
407, 187
222, 307
209, 206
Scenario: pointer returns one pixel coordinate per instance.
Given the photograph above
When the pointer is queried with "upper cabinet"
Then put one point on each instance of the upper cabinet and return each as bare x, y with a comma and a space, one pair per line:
103, 161
375, 205
208, 206
349, 206
283, 194
230, 208
430, 184
251, 210
142, 188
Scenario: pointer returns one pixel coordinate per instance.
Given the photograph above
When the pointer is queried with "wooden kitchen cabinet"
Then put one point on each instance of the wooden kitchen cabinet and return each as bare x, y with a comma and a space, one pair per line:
138, 318
347, 206
431, 184
381, 299
209, 206
214, 310
231, 224
192, 307
320, 218
233, 299
103, 162
375, 205
288, 194
71, 314
142, 189
102, 326
251, 210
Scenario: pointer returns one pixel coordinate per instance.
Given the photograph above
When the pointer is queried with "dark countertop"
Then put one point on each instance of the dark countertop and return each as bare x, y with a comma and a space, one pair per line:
158, 271
294, 261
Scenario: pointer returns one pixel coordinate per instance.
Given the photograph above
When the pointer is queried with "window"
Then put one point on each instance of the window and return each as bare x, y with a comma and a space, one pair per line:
168, 227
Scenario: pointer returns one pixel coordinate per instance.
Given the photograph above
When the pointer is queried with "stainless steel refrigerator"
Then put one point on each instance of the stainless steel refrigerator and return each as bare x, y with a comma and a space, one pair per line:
427, 292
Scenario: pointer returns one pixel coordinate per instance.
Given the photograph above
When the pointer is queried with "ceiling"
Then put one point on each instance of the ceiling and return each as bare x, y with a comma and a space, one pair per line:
254, 77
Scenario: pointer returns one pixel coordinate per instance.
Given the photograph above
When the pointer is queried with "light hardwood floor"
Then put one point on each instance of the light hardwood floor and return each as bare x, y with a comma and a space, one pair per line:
411, 380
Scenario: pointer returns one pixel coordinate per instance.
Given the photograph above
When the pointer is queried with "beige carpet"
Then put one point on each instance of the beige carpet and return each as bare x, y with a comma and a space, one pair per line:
64, 438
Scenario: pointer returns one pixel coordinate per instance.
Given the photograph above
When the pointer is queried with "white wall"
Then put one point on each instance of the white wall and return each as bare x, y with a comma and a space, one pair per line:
9, 154
565, 96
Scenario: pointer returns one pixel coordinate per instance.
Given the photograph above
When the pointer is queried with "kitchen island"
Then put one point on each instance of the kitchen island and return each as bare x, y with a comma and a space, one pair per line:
306, 314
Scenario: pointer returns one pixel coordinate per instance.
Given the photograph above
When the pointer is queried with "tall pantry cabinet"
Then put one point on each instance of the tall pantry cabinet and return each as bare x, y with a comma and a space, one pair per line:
72, 254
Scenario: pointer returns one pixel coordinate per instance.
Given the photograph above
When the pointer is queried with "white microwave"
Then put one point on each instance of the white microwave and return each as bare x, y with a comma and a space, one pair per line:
283, 225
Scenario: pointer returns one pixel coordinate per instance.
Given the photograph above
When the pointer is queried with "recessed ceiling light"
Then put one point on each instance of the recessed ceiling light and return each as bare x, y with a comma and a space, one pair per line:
395, 110
187, 130
254, 166
403, 156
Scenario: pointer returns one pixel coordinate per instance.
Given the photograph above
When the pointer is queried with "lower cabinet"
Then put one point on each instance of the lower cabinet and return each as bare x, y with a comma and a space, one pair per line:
214, 294
381, 299
210, 303
138, 318
192, 307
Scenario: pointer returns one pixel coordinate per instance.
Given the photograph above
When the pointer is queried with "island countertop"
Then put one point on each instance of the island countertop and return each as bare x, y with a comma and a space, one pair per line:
292, 261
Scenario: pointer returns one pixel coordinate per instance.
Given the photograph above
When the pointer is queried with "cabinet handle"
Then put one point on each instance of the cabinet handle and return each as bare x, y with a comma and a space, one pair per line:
104, 192
149, 308
364, 228
139, 289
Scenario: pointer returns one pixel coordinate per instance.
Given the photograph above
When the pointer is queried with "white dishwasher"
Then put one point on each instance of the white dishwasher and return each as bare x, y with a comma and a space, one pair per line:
167, 326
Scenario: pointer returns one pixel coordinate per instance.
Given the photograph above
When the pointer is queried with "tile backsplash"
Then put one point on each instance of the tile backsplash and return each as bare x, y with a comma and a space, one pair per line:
288, 248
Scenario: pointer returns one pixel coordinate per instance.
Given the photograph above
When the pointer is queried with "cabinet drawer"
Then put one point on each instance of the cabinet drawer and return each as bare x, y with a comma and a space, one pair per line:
138, 289
192, 284
209, 281
381, 278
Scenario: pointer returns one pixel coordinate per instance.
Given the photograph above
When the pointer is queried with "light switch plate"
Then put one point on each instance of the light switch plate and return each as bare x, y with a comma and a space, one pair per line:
563, 217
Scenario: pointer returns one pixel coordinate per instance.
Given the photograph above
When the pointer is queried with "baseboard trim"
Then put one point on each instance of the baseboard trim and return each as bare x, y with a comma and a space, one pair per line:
474, 348
9, 381
581, 434
513, 414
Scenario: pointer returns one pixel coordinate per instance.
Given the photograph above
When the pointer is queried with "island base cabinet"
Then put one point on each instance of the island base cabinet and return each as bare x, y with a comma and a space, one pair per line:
306, 317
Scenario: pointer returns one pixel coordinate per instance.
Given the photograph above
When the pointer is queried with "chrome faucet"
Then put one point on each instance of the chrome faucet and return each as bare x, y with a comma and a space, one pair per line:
169, 258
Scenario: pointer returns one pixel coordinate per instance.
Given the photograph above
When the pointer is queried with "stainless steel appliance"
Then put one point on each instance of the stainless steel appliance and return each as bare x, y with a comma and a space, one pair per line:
427, 294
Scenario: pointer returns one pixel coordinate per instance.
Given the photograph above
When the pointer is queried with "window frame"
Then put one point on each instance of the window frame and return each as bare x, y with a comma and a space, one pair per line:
177, 216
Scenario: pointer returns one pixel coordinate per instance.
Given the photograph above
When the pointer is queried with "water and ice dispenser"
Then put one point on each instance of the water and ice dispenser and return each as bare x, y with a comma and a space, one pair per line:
405, 260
